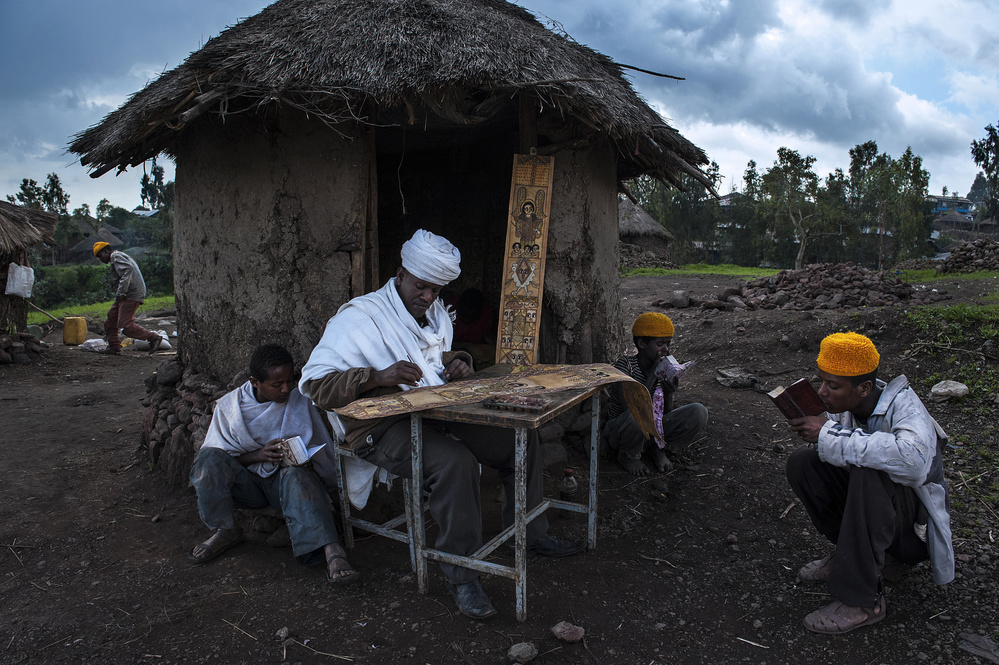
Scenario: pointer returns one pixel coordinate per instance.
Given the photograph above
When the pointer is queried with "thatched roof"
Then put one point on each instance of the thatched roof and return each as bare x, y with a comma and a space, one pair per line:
102, 235
462, 59
22, 227
632, 220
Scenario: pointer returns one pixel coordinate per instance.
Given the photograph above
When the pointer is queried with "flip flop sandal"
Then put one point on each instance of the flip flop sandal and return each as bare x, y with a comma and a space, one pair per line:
351, 576
220, 542
829, 621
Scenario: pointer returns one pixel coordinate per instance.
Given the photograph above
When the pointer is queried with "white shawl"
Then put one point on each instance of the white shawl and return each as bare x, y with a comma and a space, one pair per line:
376, 330
241, 424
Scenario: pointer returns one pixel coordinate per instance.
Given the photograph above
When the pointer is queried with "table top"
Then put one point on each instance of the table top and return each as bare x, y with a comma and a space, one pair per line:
476, 413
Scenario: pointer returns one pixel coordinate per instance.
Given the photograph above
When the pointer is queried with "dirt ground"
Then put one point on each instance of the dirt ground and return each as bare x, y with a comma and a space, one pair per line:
694, 566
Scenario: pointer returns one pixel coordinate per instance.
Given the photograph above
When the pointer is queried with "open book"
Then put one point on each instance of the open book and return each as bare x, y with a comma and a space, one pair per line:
798, 400
294, 452
670, 368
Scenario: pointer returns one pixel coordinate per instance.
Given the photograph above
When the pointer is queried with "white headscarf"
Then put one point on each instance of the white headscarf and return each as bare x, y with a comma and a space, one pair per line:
431, 258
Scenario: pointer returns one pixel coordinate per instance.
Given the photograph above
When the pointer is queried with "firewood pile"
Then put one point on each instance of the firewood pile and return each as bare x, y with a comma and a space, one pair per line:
982, 254
20, 348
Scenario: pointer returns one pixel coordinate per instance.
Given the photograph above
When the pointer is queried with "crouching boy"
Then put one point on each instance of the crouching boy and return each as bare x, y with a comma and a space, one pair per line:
675, 427
239, 466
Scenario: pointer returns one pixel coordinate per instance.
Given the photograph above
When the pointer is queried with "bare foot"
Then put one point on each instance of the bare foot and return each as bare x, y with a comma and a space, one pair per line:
636, 467
659, 458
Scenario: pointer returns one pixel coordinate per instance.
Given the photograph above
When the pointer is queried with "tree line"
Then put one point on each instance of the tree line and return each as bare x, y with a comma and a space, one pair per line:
874, 214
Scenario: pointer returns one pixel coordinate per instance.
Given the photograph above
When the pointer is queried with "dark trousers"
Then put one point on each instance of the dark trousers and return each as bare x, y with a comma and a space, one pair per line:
451, 476
865, 514
222, 484
680, 427
122, 316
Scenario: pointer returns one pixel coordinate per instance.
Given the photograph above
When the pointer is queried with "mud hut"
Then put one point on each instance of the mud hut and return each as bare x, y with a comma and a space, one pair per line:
20, 228
313, 138
637, 227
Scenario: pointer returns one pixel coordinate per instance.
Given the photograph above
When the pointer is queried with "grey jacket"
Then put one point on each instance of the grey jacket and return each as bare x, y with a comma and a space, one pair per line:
126, 278
903, 440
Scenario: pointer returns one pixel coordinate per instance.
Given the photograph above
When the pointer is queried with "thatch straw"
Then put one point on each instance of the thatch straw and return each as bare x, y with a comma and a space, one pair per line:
463, 59
632, 220
22, 227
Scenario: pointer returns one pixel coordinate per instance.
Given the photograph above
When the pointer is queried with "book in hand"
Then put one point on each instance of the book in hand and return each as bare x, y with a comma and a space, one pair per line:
670, 368
294, 452
798, 400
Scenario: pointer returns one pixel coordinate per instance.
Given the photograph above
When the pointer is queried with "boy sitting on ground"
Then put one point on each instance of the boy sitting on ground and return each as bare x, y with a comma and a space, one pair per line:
676, 427
239, 466
874, 484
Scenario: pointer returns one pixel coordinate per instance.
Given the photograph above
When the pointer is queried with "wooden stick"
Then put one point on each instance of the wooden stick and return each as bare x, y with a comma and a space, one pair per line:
59, 321
240, 629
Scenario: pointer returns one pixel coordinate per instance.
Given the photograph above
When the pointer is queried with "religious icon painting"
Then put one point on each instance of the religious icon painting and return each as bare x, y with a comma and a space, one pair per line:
524, 262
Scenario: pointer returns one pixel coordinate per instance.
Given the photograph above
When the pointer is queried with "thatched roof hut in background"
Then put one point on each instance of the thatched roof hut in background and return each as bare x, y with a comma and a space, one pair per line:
312, 139
103, 234
20, 229
637, 227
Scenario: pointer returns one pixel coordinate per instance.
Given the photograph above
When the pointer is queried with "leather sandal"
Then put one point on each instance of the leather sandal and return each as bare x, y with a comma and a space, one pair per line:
333, 578
219, 543
816, 571
837, 617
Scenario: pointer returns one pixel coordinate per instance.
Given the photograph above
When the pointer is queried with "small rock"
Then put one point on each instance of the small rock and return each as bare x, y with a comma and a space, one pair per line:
944, 390
522, 653
567, 632
757, 624
283, 633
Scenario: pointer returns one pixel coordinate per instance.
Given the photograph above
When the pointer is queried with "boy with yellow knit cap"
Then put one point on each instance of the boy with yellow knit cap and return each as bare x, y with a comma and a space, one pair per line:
873, 485
675, 428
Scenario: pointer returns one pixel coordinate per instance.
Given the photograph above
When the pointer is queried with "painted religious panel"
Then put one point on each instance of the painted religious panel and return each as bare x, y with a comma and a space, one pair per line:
524, 260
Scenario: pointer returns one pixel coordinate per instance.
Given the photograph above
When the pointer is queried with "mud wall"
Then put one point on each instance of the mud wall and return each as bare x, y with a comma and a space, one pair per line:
581, 312
267, 216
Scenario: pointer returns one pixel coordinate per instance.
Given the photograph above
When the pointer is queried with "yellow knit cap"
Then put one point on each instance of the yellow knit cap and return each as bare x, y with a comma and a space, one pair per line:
847, 354
98, 246
652, 324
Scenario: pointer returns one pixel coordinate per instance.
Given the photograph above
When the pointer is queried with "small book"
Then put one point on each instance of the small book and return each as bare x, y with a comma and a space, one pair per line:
294, 452
524, 403
798, 400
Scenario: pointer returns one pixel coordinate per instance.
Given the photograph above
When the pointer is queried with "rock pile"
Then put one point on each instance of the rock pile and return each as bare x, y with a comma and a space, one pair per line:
634, 256
179, 406
20, 348
982, 254
818, 286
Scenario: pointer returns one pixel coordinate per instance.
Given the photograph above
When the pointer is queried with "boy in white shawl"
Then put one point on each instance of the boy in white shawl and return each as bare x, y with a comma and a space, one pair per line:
398, 338
239, 465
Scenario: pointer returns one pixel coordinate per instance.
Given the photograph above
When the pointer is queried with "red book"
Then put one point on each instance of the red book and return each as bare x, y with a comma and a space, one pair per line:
798, 400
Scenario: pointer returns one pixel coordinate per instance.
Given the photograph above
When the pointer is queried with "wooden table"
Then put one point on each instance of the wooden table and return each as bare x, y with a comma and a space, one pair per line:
520, 422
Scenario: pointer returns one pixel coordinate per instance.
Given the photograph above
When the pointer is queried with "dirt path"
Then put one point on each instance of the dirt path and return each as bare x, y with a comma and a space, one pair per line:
691, 567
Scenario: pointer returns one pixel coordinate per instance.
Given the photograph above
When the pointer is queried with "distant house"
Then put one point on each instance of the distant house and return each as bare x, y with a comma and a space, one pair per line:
942, 205
637, 227
103, 234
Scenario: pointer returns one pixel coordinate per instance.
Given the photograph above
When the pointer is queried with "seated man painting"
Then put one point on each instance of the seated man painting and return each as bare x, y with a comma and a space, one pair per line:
240, 466
398, 338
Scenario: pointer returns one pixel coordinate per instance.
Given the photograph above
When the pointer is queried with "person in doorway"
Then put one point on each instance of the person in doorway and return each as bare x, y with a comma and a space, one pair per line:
398, 338
240, 466
676, 427
130, 291
873, 485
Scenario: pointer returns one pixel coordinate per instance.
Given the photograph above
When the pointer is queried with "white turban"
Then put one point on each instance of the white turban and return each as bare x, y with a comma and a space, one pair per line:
431, 258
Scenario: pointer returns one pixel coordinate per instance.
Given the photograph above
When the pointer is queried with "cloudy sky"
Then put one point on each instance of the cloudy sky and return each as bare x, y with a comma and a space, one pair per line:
819, 77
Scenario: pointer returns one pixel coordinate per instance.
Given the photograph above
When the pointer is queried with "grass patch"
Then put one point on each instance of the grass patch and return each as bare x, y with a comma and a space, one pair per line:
98, 310
930, 275
704, 269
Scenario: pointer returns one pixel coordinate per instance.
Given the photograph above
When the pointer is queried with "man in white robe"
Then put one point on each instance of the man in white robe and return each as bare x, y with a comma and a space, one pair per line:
398, 338
239, 466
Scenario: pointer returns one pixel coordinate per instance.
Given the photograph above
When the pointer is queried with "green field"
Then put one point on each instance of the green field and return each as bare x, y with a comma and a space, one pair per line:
98, 310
